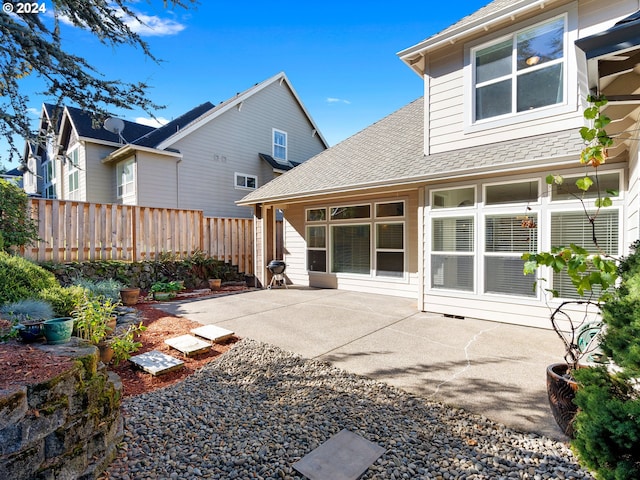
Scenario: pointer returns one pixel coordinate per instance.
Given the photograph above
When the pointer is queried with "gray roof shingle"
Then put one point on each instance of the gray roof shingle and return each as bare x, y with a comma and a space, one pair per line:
85, 126
391, 152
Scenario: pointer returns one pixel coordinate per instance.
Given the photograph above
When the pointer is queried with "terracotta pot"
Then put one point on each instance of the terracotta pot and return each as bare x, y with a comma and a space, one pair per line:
561, 392
106, 352
215, 283
112, 323
129, 296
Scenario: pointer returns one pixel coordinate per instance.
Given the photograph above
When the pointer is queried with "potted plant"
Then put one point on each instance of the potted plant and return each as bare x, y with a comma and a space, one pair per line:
592, 273
129, 296
124, 343
27, 316
94, 319
164, 290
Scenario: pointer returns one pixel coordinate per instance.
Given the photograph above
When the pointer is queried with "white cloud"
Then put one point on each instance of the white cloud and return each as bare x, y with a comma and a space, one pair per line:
144, 25
152, 122
152, 26
337, 100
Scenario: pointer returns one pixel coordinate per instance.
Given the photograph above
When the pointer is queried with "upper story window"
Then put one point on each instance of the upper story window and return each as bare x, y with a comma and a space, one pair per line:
126, 178
279, 144
73, 180
49, 180
521, 72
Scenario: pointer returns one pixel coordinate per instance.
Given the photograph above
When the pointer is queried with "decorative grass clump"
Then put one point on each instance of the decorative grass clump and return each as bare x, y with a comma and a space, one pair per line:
21, 279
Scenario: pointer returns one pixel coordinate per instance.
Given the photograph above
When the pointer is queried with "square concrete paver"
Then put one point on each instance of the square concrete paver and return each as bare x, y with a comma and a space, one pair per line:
345, 456
213, 333
188, 344
156, 363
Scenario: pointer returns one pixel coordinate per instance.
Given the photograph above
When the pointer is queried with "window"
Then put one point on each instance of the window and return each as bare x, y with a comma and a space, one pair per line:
511, 193
49, 170
356, 242
279, 144
568, 190
453, 253
573, 227
246, 181
456, 197
73, 184
317, 248
126, 178
505, 241
390, 249
351, 248
522, 72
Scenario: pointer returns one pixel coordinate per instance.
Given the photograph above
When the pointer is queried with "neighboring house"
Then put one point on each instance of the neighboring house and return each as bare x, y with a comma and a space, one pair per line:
429, 202
14, 175
205, 159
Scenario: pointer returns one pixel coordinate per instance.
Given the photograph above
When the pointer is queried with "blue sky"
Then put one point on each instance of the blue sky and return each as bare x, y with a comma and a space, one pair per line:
340, 56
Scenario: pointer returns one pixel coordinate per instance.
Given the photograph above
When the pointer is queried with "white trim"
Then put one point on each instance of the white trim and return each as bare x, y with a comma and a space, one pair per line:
275, 131
246, 177
219, 110
570, 88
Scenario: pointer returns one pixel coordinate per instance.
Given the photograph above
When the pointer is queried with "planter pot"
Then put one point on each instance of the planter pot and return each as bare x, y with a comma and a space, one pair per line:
163, 295
106, 352
30, 332
58, 330
111, 324
129, 296
561, 391
215, 283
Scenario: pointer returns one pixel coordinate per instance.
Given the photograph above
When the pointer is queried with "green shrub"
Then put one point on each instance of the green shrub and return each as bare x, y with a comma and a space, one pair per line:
29, 309
21, 279
608, 423
17, 228
63, 299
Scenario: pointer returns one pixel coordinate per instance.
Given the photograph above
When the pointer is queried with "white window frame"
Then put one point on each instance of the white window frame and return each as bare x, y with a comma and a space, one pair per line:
73, 171
276, 145
245, 182
372, 221
121, 186
50, 179
570, 93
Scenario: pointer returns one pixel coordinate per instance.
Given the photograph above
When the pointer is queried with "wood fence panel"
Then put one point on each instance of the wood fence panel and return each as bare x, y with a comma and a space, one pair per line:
79, 231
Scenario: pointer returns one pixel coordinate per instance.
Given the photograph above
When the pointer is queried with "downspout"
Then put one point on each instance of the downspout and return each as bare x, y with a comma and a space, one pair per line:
178, 183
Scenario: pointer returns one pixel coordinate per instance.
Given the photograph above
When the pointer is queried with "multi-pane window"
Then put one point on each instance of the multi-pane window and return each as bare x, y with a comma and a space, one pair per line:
126, 178
453, 253
243, 180
279, 144
49, 170
361, 239
506, 238
574, 227
73, 183
521, 72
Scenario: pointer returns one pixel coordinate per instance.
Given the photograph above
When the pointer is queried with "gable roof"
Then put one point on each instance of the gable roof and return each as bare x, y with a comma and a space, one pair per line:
478, 21
236, 102
390, 153
85, 127
158, 135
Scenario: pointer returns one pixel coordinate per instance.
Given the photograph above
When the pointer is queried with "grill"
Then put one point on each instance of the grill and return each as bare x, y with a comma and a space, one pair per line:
277, 268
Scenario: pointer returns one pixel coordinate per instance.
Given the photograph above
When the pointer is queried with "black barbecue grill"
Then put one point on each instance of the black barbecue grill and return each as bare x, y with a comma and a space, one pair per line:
277, 268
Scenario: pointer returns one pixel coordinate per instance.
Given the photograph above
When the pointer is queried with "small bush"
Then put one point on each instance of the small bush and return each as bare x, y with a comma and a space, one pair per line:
26, 310
63, 299
21, 279
108, 289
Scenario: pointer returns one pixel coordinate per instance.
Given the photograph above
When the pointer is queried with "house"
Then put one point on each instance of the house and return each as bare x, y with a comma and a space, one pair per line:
205, 159
432, 202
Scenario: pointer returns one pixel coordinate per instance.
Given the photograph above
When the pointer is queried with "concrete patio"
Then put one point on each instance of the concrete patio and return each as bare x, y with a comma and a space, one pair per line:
494, 369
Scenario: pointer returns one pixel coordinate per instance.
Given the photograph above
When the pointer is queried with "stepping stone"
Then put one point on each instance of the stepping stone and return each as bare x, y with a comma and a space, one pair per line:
213, 333
188, 344
345, 456
156, 363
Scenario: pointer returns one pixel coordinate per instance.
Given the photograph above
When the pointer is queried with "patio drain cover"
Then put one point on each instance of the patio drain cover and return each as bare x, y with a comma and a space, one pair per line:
188, 344
156, 363
345, 456
213, 333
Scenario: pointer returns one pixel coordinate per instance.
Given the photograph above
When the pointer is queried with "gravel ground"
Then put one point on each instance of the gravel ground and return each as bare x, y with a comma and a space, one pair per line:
258, 409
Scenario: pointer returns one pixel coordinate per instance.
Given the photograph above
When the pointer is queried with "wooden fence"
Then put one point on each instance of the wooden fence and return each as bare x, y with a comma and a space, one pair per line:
73, 231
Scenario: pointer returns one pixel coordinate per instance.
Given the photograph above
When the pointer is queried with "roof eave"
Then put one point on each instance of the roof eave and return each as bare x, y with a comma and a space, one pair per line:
131, 149
538, 164
617, 39
409, 55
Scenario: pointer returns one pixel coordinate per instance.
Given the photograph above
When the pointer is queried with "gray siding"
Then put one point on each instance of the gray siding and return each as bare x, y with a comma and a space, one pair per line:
231, 142
156, 180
